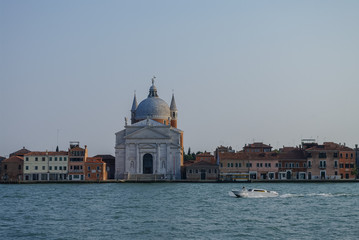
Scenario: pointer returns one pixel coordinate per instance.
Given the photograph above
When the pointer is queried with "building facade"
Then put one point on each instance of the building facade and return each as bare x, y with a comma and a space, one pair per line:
152, 146
12, 169
77, 159
45, 166
95, 169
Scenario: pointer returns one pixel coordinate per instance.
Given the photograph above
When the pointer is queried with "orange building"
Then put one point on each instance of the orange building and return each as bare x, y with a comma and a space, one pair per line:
77, 159
346, 163
95, 169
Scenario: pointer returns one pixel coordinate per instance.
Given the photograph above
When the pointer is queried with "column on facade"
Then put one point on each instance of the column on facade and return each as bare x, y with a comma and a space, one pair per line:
158, 164
168, 159
126, 159
137, 159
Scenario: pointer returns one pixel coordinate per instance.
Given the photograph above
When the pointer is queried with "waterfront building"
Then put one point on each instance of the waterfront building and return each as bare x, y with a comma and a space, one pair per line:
323, 161
12, 169
1, 159
292, 164
95, 169
110, 165
45, 166
152, 146
77, 159
202, 170
233, 166
263, 165
346, 162
20, 152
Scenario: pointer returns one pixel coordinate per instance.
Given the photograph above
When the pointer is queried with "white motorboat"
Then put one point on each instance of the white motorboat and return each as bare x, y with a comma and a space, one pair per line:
254, 193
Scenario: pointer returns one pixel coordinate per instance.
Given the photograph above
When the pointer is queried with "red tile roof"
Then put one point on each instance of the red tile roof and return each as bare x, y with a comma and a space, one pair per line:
47, 153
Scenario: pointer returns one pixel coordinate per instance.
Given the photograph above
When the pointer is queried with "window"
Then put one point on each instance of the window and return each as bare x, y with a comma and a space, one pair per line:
335, 155
50, 167
27, 159
190, 171
346, 155
347, 175
322, 155
27, 167
341, 165
209, 171
43, 167
55, 158
231, 165
88, 175
43, 159
335, 164
276, 165
297, 165
351, 165
60, 158
309, 164
261, 164
50, 159
221, 164
304, 165
257, 164
35, 167
351, 155
196, 170
236, 164
341, 155
335, 173
65, 168
347, 165
19, 167
88, 168
269, 164
228, 164
239, 164
65, 158
98, 175
5, 166
36, 159
55, 167
266, 165
215, 170
60, 168
286, 165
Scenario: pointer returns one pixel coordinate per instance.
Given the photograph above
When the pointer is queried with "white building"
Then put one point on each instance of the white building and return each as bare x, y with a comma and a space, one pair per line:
152, 146
45, 166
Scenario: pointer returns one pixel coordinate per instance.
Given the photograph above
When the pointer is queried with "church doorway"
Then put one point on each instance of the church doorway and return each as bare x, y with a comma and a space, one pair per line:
147, 164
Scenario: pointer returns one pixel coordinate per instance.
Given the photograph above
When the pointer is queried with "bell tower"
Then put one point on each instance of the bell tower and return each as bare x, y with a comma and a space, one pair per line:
173, 110
133, 109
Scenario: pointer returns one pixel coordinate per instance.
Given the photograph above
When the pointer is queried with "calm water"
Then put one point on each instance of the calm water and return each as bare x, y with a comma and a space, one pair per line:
178, 211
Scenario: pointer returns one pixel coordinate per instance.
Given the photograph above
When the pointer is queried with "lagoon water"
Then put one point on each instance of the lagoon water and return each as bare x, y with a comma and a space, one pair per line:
178, 211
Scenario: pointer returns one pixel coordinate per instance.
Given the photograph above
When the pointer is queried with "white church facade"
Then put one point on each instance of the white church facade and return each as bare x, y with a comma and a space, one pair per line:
151, 147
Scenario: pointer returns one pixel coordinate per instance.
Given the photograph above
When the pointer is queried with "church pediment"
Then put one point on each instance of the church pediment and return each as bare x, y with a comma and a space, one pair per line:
147, 133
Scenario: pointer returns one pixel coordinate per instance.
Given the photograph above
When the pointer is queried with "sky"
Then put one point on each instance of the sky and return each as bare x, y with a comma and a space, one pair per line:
241, 71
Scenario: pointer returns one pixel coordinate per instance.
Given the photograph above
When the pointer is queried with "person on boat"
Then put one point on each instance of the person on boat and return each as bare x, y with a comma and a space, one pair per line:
243, 188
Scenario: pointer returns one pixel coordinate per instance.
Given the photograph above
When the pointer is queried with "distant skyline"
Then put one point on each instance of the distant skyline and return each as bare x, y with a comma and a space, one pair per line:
241, 71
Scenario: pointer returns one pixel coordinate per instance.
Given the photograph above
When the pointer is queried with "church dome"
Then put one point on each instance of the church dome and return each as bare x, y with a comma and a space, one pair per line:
154, 108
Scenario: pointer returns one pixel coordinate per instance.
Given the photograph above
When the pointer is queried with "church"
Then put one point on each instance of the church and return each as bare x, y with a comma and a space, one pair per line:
151, 147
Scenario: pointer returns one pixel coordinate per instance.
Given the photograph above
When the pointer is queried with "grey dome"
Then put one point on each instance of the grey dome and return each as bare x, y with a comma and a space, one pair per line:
154, 108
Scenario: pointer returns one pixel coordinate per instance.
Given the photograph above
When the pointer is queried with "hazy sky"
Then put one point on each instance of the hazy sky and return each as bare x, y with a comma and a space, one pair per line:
241, 71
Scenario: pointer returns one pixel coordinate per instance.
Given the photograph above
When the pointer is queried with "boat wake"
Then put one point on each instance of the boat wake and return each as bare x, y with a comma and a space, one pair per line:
298, 195
290, 195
